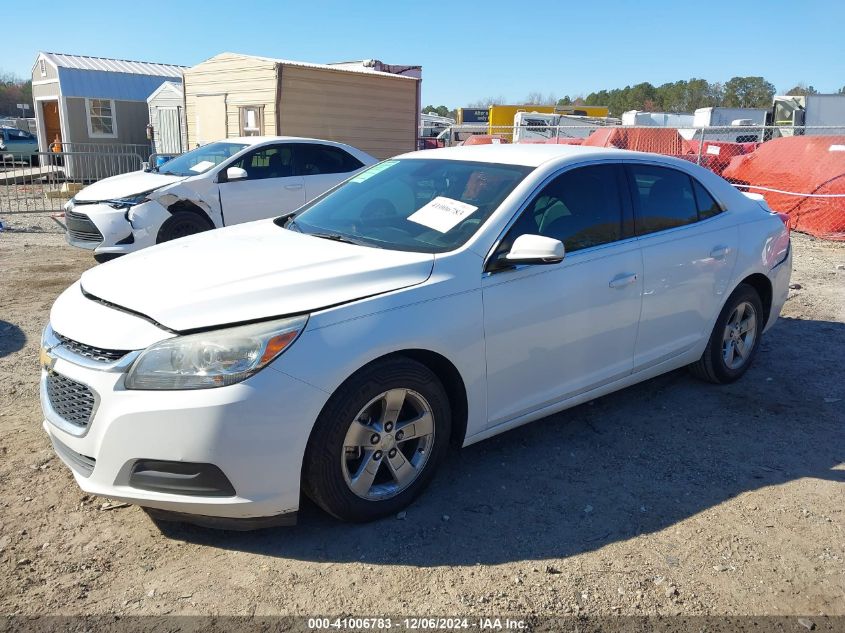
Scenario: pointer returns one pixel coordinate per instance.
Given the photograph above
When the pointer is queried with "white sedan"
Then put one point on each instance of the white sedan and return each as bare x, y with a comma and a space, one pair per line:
442, 297
227, 182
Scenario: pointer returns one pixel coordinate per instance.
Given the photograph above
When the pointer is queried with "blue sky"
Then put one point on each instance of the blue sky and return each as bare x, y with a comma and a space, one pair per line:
468, 50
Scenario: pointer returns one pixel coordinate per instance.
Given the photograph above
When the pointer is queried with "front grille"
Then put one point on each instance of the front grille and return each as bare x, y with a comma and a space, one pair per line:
81, 228
71, 400
78, 462
89, 351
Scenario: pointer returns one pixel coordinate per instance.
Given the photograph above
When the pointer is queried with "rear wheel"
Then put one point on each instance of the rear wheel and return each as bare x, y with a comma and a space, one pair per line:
378, 441
182, 224
735, 338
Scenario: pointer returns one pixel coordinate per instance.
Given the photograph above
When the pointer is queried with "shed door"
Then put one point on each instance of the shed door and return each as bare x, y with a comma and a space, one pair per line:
169, 132
210, 118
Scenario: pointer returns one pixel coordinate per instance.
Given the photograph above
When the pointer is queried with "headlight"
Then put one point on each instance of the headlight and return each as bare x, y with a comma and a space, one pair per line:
213, 359
129, 201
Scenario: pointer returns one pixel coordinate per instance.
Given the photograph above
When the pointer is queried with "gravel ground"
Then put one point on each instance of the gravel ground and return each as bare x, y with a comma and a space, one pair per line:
670, 497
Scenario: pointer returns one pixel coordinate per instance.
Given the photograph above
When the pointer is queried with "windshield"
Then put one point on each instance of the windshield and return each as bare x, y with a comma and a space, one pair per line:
424, 205
200, 159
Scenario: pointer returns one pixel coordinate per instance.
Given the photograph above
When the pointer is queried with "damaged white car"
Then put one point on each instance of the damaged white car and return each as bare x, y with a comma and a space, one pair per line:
219, 184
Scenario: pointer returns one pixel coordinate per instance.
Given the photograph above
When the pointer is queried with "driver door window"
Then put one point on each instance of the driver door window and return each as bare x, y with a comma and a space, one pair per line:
582, 208
270, 188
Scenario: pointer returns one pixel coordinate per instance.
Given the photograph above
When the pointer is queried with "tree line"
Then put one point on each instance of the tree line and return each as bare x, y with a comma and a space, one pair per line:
13, 91
678, 96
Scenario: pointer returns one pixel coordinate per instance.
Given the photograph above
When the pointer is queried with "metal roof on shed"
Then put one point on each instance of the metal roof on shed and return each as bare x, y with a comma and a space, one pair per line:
104, 64
104, 78
344, 67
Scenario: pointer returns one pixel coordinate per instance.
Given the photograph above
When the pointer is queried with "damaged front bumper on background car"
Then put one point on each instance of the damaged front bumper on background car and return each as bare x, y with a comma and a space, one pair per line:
113, 226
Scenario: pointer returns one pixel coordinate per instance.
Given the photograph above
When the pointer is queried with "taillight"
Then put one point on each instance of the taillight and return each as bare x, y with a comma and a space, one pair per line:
785, 219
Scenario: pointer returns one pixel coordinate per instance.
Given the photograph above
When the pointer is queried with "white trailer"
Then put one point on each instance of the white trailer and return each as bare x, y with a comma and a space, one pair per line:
657, 119
734, 125
799, 114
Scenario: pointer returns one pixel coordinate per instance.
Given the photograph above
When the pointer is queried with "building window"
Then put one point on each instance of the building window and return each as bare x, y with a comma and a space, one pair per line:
43, 66
252, 120
101, 120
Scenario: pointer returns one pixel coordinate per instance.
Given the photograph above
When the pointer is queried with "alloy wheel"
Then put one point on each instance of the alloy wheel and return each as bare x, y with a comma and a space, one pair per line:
388, 444
740, 335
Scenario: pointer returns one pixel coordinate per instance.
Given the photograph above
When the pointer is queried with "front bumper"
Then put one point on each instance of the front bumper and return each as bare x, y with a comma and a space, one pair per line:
104, 229
255, 432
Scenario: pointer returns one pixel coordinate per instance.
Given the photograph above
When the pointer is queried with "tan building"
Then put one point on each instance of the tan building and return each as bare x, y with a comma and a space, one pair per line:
367, 104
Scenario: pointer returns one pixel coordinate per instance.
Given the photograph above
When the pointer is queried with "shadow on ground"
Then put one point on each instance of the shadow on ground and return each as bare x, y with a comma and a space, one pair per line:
12, 338
633, 462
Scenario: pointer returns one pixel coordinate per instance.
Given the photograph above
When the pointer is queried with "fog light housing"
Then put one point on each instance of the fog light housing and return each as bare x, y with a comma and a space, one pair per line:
180, 478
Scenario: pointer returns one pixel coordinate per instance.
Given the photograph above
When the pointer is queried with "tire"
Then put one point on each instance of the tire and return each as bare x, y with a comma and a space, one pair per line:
102, 258
717, 364
336, 463
182, 224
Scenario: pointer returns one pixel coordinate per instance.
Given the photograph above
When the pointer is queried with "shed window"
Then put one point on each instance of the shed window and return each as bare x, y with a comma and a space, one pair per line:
101, 118
252, 120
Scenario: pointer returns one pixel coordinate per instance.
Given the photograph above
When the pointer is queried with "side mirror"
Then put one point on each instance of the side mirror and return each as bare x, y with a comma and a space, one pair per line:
532, 250
235, 173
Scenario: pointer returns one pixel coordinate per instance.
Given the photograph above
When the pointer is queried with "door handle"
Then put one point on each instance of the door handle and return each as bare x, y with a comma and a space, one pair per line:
293, 187
623, 279
719, 252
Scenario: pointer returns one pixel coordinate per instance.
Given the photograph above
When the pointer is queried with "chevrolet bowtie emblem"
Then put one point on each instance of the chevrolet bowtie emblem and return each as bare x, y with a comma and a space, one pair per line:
46, 359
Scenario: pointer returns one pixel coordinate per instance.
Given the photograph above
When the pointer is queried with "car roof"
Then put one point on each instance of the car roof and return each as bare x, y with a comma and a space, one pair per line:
258, 140
528, 154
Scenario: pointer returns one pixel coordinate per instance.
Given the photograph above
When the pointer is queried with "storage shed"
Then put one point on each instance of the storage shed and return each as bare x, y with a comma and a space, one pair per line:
167, 117
94, 100
368, 104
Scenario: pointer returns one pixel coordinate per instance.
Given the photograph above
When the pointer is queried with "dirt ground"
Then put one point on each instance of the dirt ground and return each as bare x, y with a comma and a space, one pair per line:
670, 497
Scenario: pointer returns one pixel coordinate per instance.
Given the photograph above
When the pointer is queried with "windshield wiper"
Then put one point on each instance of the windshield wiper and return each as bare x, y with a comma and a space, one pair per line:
335, 237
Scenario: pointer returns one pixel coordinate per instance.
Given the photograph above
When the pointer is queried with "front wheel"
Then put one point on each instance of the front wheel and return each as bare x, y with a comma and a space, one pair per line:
182, 224
735, 338
378, 440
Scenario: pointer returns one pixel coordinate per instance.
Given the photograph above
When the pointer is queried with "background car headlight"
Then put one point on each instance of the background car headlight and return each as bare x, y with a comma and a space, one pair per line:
129, 201
213, 359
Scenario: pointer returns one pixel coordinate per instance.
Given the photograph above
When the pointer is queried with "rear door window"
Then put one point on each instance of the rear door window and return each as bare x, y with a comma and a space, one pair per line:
707, 206
663, 198
313, 159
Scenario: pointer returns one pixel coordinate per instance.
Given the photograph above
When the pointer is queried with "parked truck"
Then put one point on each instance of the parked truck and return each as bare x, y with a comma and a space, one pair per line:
540, 126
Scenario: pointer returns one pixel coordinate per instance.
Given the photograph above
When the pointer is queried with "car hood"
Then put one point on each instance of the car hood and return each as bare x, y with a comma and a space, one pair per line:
125, 185
247, 272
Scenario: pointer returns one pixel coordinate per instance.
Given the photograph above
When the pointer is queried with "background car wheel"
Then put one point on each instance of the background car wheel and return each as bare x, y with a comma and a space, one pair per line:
735, 338
182, 224
378, 440
102, 258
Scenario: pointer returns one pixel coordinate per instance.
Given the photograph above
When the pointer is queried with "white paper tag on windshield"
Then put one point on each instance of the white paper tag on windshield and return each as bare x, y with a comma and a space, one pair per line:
836, 148
714, 149
202, 166
442, 214
375, 169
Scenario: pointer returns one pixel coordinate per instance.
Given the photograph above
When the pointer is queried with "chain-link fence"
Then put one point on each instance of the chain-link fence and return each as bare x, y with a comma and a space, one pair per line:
798, 171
